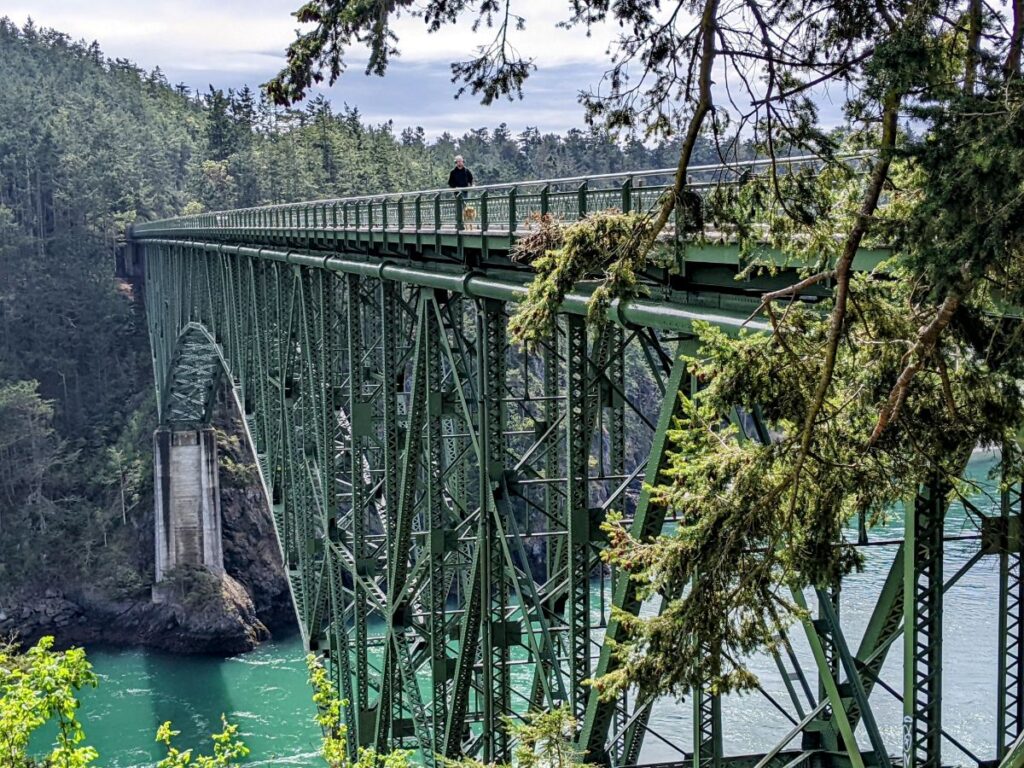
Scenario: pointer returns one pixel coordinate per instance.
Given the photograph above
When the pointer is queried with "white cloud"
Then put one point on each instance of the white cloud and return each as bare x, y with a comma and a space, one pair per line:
251, 37
540, 40
175, 35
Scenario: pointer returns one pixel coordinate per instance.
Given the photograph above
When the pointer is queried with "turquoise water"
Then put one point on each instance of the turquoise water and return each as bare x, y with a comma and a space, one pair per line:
263, 692
266, 694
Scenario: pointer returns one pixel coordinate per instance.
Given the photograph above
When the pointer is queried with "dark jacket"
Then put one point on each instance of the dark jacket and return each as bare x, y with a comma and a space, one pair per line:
460, 177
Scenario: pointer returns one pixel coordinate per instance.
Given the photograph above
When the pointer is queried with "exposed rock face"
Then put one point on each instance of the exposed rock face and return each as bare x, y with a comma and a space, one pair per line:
251, 552
202, 613
223, 622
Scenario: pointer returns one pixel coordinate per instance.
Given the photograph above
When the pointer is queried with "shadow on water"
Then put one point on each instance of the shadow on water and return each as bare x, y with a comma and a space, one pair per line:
264, 692
191, 692
138, 690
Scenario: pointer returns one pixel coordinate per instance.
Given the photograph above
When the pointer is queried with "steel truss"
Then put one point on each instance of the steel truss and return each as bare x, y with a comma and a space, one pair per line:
438, 493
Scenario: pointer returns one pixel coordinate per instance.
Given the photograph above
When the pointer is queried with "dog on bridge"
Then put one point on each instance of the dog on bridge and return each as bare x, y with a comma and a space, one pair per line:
469, 217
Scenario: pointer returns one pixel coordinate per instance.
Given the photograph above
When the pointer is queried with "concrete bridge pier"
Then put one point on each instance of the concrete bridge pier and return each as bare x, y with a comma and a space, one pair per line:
188, 523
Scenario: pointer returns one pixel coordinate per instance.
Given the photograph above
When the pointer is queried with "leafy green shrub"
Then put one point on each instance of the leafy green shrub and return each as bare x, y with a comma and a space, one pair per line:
227, 749
36, 688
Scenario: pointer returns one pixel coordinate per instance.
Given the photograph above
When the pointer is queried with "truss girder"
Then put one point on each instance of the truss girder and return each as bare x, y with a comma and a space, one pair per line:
437, 494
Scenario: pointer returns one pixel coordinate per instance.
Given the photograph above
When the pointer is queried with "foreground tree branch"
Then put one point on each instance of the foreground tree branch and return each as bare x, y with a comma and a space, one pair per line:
843, 267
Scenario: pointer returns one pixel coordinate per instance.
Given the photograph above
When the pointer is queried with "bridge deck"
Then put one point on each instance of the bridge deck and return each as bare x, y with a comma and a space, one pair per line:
440, 234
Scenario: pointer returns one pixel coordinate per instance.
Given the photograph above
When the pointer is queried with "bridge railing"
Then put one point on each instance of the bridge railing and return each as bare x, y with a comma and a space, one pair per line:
503, 209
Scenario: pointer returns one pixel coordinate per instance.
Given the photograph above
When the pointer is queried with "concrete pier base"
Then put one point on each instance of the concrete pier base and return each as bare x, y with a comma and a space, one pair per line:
188, 524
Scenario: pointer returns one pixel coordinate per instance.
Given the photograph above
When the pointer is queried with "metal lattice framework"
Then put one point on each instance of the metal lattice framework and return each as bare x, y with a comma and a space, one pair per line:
438, 492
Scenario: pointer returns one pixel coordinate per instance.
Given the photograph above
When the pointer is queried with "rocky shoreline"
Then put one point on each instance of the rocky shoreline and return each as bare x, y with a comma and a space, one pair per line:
224, 625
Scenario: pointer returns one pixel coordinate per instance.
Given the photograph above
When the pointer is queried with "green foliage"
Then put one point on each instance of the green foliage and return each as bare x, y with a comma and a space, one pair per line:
798, 213
29, 450
195, 585
965, 224
757, 519
42, 686
228, 749
925, 368
606, 245
235, 470
238, 474
546, 740
334, 747
37, 688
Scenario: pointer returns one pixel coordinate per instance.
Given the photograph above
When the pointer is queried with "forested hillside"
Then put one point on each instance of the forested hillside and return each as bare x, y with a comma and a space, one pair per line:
89, 144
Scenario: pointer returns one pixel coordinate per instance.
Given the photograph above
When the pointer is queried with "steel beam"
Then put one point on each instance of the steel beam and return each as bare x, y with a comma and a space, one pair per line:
922, 621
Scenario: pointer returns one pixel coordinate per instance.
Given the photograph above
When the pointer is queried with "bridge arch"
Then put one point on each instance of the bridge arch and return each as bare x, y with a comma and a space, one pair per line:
187, 393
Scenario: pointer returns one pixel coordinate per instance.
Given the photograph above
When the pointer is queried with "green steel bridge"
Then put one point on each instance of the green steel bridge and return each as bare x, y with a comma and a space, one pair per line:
438, 492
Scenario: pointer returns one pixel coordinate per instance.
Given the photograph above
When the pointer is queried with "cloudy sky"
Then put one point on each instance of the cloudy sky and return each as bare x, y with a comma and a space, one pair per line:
228, 43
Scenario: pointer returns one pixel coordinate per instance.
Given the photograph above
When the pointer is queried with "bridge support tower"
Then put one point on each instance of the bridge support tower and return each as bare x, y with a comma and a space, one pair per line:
187, 500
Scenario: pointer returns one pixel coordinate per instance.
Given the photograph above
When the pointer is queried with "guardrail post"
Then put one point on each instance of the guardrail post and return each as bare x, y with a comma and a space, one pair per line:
437, 220
459, 202
544, 199
401, 220
370, 220
418, 221
512, 223
627, 195
484, 218
581, 200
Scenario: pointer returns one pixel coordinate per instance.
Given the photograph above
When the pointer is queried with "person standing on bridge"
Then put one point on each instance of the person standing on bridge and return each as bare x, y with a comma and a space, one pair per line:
460, 176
